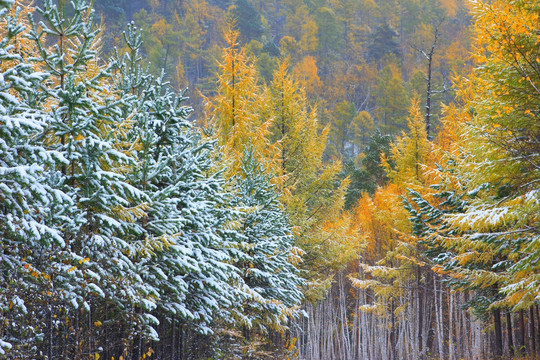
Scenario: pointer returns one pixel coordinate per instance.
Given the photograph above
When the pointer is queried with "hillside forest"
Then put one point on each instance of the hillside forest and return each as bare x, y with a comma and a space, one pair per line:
270, 179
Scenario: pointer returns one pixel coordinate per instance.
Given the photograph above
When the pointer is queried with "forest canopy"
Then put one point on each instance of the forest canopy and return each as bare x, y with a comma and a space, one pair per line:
249, 179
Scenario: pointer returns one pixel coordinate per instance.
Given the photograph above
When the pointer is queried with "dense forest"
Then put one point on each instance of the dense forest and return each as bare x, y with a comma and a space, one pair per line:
280, 179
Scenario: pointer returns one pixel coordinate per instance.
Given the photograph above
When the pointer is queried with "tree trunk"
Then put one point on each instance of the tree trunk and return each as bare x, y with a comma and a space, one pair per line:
497, 351
420, 313
393, 333
533, 332
522, 345
428, 95
510, 335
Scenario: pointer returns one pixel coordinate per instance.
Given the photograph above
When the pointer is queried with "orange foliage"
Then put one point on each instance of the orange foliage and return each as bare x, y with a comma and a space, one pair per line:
305, 72
378, 218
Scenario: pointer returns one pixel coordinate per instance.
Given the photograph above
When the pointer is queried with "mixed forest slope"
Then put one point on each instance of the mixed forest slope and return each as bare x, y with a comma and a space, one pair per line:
351, 179
361, 62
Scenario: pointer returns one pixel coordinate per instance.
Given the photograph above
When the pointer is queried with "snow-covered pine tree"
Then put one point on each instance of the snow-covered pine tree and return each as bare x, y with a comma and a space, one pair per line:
31, 205
465, 259
189, 265
272, 281
87, 127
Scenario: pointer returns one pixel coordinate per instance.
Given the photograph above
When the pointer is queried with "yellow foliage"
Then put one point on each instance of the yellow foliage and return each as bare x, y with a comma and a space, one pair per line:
236, 109
131, 214
410, 153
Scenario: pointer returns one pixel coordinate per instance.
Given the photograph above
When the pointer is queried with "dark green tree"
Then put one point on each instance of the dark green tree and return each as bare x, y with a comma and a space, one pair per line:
383, 43
248, 20
369, 175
